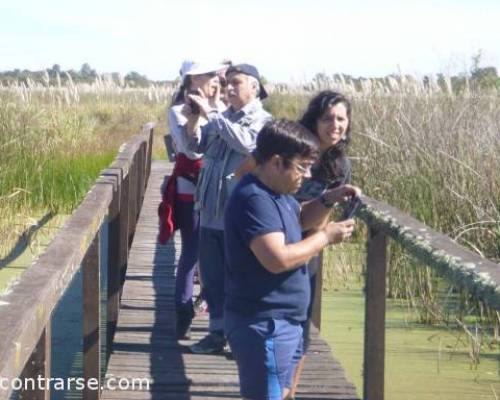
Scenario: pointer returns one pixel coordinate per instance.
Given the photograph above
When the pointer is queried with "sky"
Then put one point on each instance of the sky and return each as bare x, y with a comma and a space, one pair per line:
289, 41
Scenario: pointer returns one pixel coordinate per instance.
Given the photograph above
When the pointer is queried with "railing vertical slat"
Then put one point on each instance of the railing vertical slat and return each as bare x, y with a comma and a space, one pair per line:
139, 167
38, 365
149, 153
132, 198
114, 265
91, 319
374, 349
142, 172
124, 227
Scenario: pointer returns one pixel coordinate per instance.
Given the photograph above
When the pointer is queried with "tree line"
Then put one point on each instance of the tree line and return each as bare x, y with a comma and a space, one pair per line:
477, 77
86, 74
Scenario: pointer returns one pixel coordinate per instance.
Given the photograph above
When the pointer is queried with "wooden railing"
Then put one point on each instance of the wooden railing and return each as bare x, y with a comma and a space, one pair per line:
480, 276
25, 312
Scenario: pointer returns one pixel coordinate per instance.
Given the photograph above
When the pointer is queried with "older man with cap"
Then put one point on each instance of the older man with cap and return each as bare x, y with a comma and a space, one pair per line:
225, 141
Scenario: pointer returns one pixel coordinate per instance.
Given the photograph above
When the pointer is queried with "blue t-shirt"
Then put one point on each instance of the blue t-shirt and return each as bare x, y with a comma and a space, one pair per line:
251, 290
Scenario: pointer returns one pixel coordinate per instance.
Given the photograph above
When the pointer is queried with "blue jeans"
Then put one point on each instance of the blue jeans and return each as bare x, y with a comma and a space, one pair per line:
263, 350
212, 274
188, 222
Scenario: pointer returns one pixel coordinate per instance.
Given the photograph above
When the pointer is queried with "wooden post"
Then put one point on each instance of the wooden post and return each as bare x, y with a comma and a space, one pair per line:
114, 266
124, 227
373, 367
132, 198
37, 370
150, 152
91, 320
318, 296
139, 166
142, 173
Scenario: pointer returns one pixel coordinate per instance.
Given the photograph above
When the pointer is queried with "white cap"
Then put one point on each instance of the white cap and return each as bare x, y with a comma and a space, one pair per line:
190, 67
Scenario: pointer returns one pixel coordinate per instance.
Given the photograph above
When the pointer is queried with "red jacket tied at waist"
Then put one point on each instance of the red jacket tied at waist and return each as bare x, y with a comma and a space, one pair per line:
188, 169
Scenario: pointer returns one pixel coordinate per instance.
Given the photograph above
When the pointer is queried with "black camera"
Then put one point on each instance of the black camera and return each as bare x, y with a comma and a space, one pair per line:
351, 208
195, 108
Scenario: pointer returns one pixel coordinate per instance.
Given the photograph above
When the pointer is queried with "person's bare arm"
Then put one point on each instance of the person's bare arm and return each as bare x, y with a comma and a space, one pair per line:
314, 213
277, 256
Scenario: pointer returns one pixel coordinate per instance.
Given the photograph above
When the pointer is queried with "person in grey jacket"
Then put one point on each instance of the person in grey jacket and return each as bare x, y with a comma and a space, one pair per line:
225, 141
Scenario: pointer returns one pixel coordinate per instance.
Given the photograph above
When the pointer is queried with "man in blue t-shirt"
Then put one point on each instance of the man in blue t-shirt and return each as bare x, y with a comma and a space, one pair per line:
267, 288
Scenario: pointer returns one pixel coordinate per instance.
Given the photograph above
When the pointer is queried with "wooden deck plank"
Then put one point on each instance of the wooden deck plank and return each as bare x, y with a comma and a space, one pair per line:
144, 345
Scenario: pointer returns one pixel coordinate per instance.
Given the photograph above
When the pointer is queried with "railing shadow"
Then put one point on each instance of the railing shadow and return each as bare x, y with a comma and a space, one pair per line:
24, 240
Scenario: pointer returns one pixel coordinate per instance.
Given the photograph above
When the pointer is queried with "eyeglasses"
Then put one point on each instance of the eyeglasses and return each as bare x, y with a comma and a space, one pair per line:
303, 170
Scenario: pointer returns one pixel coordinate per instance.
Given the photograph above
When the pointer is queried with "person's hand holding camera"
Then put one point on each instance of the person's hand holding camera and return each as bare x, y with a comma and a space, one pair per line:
337, 232
203, 105
339, 194
191, 111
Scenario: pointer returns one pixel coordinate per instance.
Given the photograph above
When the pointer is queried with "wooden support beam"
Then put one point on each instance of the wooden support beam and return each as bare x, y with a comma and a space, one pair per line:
91, 320
36, 372
374, 350
114, 264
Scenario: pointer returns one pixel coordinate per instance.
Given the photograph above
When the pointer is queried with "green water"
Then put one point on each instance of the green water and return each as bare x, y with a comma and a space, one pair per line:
422, 362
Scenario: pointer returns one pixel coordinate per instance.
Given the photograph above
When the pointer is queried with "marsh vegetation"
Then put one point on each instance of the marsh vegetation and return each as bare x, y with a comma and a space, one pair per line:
426, 148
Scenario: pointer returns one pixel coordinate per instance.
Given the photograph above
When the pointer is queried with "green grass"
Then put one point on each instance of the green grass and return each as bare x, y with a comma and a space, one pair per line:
54, 143
58, 183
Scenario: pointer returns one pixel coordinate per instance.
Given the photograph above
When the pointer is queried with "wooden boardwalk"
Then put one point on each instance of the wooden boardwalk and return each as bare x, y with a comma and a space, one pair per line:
144, 344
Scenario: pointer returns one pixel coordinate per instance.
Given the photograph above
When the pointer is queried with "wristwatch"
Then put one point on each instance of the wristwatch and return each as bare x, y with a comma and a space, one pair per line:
326, 203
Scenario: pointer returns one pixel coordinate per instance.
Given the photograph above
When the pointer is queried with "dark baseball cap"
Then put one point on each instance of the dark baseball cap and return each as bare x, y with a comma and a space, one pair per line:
250, 70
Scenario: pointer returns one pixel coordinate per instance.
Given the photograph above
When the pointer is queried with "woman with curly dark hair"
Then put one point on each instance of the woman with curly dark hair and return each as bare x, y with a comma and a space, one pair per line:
328, 117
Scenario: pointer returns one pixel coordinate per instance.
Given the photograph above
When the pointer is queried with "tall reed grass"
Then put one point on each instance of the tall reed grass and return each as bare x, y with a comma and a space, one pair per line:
54, 141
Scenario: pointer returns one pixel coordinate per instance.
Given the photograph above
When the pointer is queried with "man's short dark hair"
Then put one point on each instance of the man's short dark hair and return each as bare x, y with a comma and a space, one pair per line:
287, 139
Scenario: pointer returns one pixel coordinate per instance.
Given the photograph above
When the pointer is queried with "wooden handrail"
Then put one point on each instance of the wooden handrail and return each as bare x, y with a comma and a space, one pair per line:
25, 312
480, 276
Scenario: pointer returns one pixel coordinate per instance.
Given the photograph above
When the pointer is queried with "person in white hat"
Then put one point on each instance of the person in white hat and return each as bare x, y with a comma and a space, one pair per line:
177, 208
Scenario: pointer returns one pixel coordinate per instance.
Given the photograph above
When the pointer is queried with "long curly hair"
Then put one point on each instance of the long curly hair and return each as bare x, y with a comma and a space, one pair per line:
331, 162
